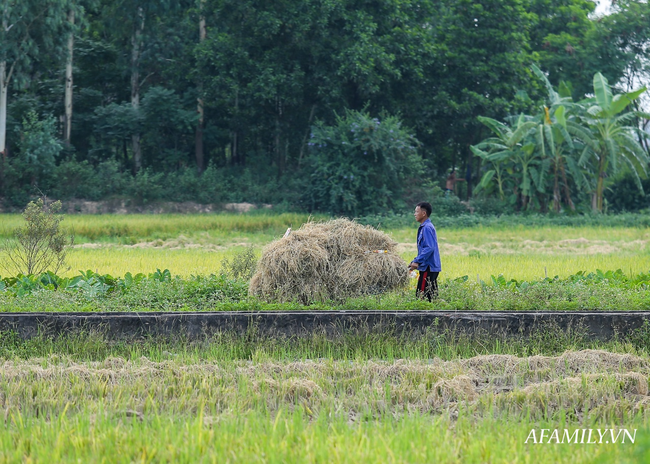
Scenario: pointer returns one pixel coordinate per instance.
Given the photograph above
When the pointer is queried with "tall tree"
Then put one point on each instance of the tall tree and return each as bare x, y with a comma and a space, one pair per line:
481, 69
136, 52
200, 107
572, 44
75, 21
67, 125
29, 29
564, 38
626, 37
133, 23
273, 67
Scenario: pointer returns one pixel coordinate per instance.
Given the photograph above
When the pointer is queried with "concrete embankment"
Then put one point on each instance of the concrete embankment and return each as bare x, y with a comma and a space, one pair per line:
193, 325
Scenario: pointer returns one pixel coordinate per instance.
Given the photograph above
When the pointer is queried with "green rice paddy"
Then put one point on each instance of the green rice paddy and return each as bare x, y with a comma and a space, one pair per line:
317, 400
197, 244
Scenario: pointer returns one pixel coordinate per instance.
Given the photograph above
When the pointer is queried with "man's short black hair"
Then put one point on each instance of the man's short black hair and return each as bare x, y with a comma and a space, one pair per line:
425, 206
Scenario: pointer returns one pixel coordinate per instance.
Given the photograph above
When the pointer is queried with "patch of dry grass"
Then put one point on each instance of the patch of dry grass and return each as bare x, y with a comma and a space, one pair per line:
591, 383
330, 260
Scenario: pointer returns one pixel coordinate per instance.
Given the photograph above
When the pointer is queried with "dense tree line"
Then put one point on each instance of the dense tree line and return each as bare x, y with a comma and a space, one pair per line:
216, 100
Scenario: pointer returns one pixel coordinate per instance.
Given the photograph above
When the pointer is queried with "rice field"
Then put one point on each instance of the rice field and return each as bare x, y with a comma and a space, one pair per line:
521, 265
351, 400
134, 228
183, 409
197, 244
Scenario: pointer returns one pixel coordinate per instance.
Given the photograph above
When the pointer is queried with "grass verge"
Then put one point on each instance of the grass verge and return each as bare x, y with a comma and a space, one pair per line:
161, 292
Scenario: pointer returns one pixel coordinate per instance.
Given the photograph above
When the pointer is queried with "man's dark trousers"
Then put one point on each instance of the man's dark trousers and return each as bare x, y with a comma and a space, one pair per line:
427, 285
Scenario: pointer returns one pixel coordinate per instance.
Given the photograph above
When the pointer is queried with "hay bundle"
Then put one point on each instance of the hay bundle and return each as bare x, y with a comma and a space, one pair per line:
328, 261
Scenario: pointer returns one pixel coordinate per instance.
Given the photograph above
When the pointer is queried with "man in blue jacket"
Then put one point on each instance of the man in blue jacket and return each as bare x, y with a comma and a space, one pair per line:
427, 262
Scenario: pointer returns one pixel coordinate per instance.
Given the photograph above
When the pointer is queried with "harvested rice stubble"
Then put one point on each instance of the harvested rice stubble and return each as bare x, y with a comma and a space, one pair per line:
330, 260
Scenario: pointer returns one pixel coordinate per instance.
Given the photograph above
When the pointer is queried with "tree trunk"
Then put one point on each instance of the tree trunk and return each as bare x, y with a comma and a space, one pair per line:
233, 148
135, 85
234, 134
502, 194
600, 188
556, 187
67, 122
643, 141
567, 191
276, 145
307, 132
468, 166
600, 185
198, 138
4, 88
278, 137
468, 175
4, 85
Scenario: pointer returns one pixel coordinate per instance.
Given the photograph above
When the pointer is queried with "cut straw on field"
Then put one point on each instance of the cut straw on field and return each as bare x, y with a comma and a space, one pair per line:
331, 260
591, 382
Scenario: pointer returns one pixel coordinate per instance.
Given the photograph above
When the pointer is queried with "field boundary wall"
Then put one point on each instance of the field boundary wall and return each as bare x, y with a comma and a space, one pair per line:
195, 325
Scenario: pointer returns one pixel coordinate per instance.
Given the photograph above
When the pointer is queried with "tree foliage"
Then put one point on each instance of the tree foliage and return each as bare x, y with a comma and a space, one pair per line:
360, 164
265, 74
29, 31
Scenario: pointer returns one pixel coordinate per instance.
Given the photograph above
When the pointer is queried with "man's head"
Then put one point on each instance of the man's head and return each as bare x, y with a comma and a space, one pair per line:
422, 211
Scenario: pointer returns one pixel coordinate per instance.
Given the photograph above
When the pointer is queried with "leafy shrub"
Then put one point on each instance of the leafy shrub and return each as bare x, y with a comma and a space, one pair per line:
462, 221
116, 122
38, 147
624, 195
450, 206
40, 243
241, 266
188, 185
73, 179
146, 186
110, 180
166, 125
490, 206
360, 165
30, 171
260, 185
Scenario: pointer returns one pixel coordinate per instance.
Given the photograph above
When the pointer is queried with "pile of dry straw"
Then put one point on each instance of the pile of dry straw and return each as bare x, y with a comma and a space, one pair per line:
329, 260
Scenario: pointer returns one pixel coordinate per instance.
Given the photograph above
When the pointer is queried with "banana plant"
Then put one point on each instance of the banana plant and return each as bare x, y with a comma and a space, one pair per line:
532, 170
611, 139
560, 139
581, 142
498, 169
509, 156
